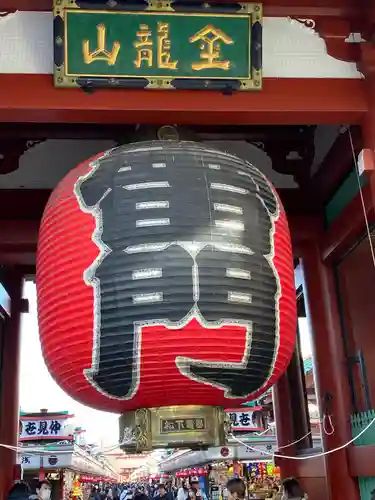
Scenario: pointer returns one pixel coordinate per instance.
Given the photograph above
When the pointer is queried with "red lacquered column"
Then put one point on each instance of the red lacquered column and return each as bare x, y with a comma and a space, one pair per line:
282, 409
331, 368
9, 384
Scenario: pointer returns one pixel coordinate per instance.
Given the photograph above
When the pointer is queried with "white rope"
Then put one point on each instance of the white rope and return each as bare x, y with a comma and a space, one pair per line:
361, 196
328, 416
307, 457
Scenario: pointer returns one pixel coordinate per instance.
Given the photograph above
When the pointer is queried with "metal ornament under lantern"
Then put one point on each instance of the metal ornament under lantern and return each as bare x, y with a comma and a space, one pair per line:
173, 427
165, 288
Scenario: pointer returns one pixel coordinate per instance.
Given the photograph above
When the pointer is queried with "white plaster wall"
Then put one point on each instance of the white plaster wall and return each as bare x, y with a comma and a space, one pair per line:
290, 50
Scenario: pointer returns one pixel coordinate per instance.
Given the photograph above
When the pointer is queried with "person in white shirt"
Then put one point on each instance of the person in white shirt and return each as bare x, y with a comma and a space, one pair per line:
123, 494
196, 492
183, 492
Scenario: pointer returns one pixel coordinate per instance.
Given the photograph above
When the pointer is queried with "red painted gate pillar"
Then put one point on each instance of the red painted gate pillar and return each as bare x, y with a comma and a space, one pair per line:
9, 383
282, 409
367, 66
331, 369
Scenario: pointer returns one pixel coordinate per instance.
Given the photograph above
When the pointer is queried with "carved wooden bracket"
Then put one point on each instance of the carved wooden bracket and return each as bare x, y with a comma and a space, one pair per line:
6, 13
293, 157
336, 34
11, 151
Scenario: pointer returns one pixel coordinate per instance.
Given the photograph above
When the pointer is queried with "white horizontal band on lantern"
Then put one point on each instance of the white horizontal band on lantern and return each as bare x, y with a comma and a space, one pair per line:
222, 207
147, 298
212, 166
125, 169
232, 248
245, 174
152, 222
147, 185
144, 205
159, 165
228, 187
147, 247
238, 273
241, 298
140, 150
143, 274
230, 224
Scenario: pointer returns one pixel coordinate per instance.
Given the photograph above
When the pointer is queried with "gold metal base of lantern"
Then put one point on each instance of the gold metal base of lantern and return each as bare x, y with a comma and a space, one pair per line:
193, 427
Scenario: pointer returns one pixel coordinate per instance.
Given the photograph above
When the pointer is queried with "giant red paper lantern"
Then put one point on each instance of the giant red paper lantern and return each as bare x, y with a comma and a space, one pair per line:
165, 277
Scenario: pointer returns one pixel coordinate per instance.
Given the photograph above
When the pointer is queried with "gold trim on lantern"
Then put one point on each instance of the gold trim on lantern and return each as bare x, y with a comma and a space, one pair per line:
191, 426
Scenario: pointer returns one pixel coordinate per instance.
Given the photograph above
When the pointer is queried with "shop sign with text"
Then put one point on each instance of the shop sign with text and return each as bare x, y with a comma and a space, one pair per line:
32, 462
158, 49
37, 429
243, 420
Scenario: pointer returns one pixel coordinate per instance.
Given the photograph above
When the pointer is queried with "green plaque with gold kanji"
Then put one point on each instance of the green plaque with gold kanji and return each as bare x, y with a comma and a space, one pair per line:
157, 46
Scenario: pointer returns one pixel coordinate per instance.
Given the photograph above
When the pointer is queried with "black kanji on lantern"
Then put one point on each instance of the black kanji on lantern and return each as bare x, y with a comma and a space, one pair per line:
163, 209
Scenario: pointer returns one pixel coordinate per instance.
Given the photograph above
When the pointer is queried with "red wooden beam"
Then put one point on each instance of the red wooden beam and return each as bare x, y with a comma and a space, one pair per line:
295, 8
19, 258
32, 98
348, 228
22, 204
18, 242
16, 233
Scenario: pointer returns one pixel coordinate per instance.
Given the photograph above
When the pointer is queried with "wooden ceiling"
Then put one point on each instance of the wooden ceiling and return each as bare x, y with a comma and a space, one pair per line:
291, 148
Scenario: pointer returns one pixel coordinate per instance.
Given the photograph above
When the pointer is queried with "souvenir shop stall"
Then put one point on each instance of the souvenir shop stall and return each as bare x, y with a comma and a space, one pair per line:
202, 473
260, 477
70, 470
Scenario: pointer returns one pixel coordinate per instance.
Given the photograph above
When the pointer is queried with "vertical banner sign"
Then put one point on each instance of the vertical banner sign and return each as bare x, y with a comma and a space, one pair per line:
156, 47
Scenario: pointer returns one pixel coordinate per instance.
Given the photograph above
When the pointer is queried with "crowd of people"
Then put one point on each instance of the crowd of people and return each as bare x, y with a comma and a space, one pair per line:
22, 491
237, 489
162, 491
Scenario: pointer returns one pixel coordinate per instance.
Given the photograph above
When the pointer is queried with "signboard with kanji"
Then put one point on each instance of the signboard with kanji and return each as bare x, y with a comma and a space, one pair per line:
182, 424
216, 48
34, 429
243, 420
